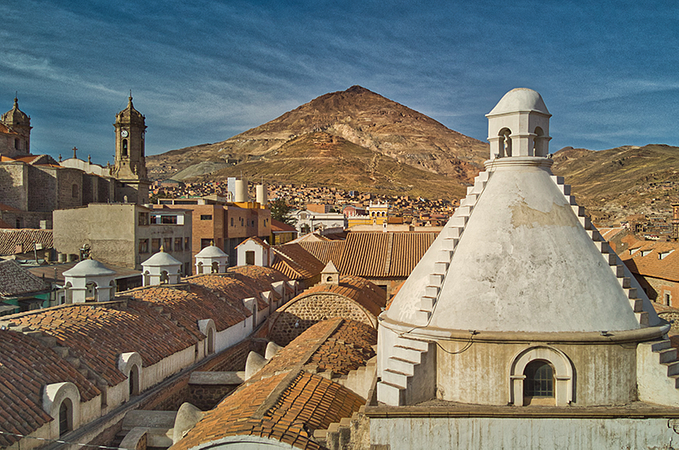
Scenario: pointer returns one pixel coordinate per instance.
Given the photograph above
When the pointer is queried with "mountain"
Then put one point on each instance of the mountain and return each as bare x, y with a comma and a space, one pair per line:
615, 183
353, 139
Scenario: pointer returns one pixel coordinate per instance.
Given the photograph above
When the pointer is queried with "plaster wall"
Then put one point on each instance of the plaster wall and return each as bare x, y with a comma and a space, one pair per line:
653, 383
156, 373
44, 432
233, 335
603, 374
522, 433
90, 411
115, 396
14, 185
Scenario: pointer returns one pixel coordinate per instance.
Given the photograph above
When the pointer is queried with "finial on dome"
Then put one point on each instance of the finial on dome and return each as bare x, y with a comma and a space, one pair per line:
162, 249
212, 242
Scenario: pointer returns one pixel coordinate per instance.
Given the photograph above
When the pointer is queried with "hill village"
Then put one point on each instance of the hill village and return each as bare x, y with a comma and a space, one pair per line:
139, 313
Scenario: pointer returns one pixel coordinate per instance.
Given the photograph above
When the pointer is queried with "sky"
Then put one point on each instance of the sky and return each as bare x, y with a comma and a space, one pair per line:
203, 71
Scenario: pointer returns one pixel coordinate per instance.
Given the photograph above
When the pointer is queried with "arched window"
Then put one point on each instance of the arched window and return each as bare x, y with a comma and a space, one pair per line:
505, 142
164, 277
125, 147
200, 267
539, 380
539, 142
215, 267
211, 341
65, 416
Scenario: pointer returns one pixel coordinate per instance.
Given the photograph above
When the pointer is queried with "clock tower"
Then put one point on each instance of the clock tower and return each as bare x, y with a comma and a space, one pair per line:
130, 165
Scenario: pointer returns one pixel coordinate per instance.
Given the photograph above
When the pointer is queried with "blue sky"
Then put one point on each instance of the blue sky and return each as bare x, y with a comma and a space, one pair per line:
203, 71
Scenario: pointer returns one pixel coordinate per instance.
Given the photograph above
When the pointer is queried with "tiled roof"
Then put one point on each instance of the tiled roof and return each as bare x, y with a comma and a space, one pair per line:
15, 280
26, 367
358, 289
257, 240
324, 251
284, 402
644, 258
23, 239
277, 226
610, 233
383, 254
4, 207
295, 262
99, 334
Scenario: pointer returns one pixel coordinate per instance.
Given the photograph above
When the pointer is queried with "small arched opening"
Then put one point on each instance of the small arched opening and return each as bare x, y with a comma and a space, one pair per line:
215, 267
539, 148
538, 386
124, 150
90, 291
199, 267
133, 380
65, 416
211, 341
505, 142
17, 144
164, 277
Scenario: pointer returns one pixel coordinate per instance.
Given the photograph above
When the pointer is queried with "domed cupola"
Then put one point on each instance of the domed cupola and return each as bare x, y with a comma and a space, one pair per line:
161, 268
19, 123
518, 272
211, 259
89, 280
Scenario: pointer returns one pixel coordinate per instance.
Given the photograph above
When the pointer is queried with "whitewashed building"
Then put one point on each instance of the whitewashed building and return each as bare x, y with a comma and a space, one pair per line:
520, 327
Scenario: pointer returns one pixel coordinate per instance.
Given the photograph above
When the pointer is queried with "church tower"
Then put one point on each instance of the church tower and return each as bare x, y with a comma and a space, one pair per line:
130, 163
18, 124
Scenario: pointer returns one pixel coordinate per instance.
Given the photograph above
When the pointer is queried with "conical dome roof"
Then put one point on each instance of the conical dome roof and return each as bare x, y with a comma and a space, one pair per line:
523, 263
161, 259
15, 116
130, 114
89, 268
211, 251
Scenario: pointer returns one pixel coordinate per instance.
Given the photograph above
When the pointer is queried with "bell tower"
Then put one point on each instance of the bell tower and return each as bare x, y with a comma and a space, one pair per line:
19, 125
130, 164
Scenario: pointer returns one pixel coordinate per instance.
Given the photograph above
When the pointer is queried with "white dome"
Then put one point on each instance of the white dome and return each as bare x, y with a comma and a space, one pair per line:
161, 259
89, 268
211, 251
523, 263
520, 99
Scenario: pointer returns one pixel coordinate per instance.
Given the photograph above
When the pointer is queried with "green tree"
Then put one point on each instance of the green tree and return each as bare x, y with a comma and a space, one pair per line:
280, 211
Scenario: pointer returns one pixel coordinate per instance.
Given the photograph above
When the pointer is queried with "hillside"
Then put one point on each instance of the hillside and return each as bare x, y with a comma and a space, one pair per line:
615, 183
395, 140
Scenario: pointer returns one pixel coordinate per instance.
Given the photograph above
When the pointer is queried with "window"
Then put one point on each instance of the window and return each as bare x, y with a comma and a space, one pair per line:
539, 380
143, 245
155, 245
205, 243
187, 243
125, 147
206, 217
178, 244
168, 220
232, 221
668, 298
65, 419
17, 144
143, 219
250, 258
167, 244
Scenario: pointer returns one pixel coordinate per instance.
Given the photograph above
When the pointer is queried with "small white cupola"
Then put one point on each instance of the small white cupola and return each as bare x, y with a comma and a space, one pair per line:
519, 125
89, 280
211, 259
330, 274
161, 268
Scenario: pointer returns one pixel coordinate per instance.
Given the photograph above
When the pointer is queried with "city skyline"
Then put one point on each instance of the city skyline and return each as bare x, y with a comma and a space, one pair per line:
205, 71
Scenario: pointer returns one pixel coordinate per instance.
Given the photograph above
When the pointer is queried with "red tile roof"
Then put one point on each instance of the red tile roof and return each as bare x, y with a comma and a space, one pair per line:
24, 239
285, 402
277, 226
387, 255
295, 262
644, 258
325, 251
99, 333
26, 367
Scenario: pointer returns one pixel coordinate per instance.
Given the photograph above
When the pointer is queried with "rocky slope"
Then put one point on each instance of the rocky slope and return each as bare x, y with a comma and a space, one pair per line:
394, 138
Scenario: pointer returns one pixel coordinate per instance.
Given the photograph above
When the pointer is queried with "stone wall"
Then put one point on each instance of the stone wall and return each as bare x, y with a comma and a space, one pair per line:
13, 185
311, 309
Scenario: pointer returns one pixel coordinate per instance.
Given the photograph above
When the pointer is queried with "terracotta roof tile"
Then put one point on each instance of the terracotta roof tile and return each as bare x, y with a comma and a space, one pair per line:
23, 239
325, 251
295, 262
644, 258
358, 289
383, 254
15, 280
26, 367
99, 333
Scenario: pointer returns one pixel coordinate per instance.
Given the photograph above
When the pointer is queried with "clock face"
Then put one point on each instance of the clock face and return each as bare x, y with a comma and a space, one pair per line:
123, 133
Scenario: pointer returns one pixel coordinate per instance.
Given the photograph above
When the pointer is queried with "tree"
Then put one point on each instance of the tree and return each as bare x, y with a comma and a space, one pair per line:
280, 211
